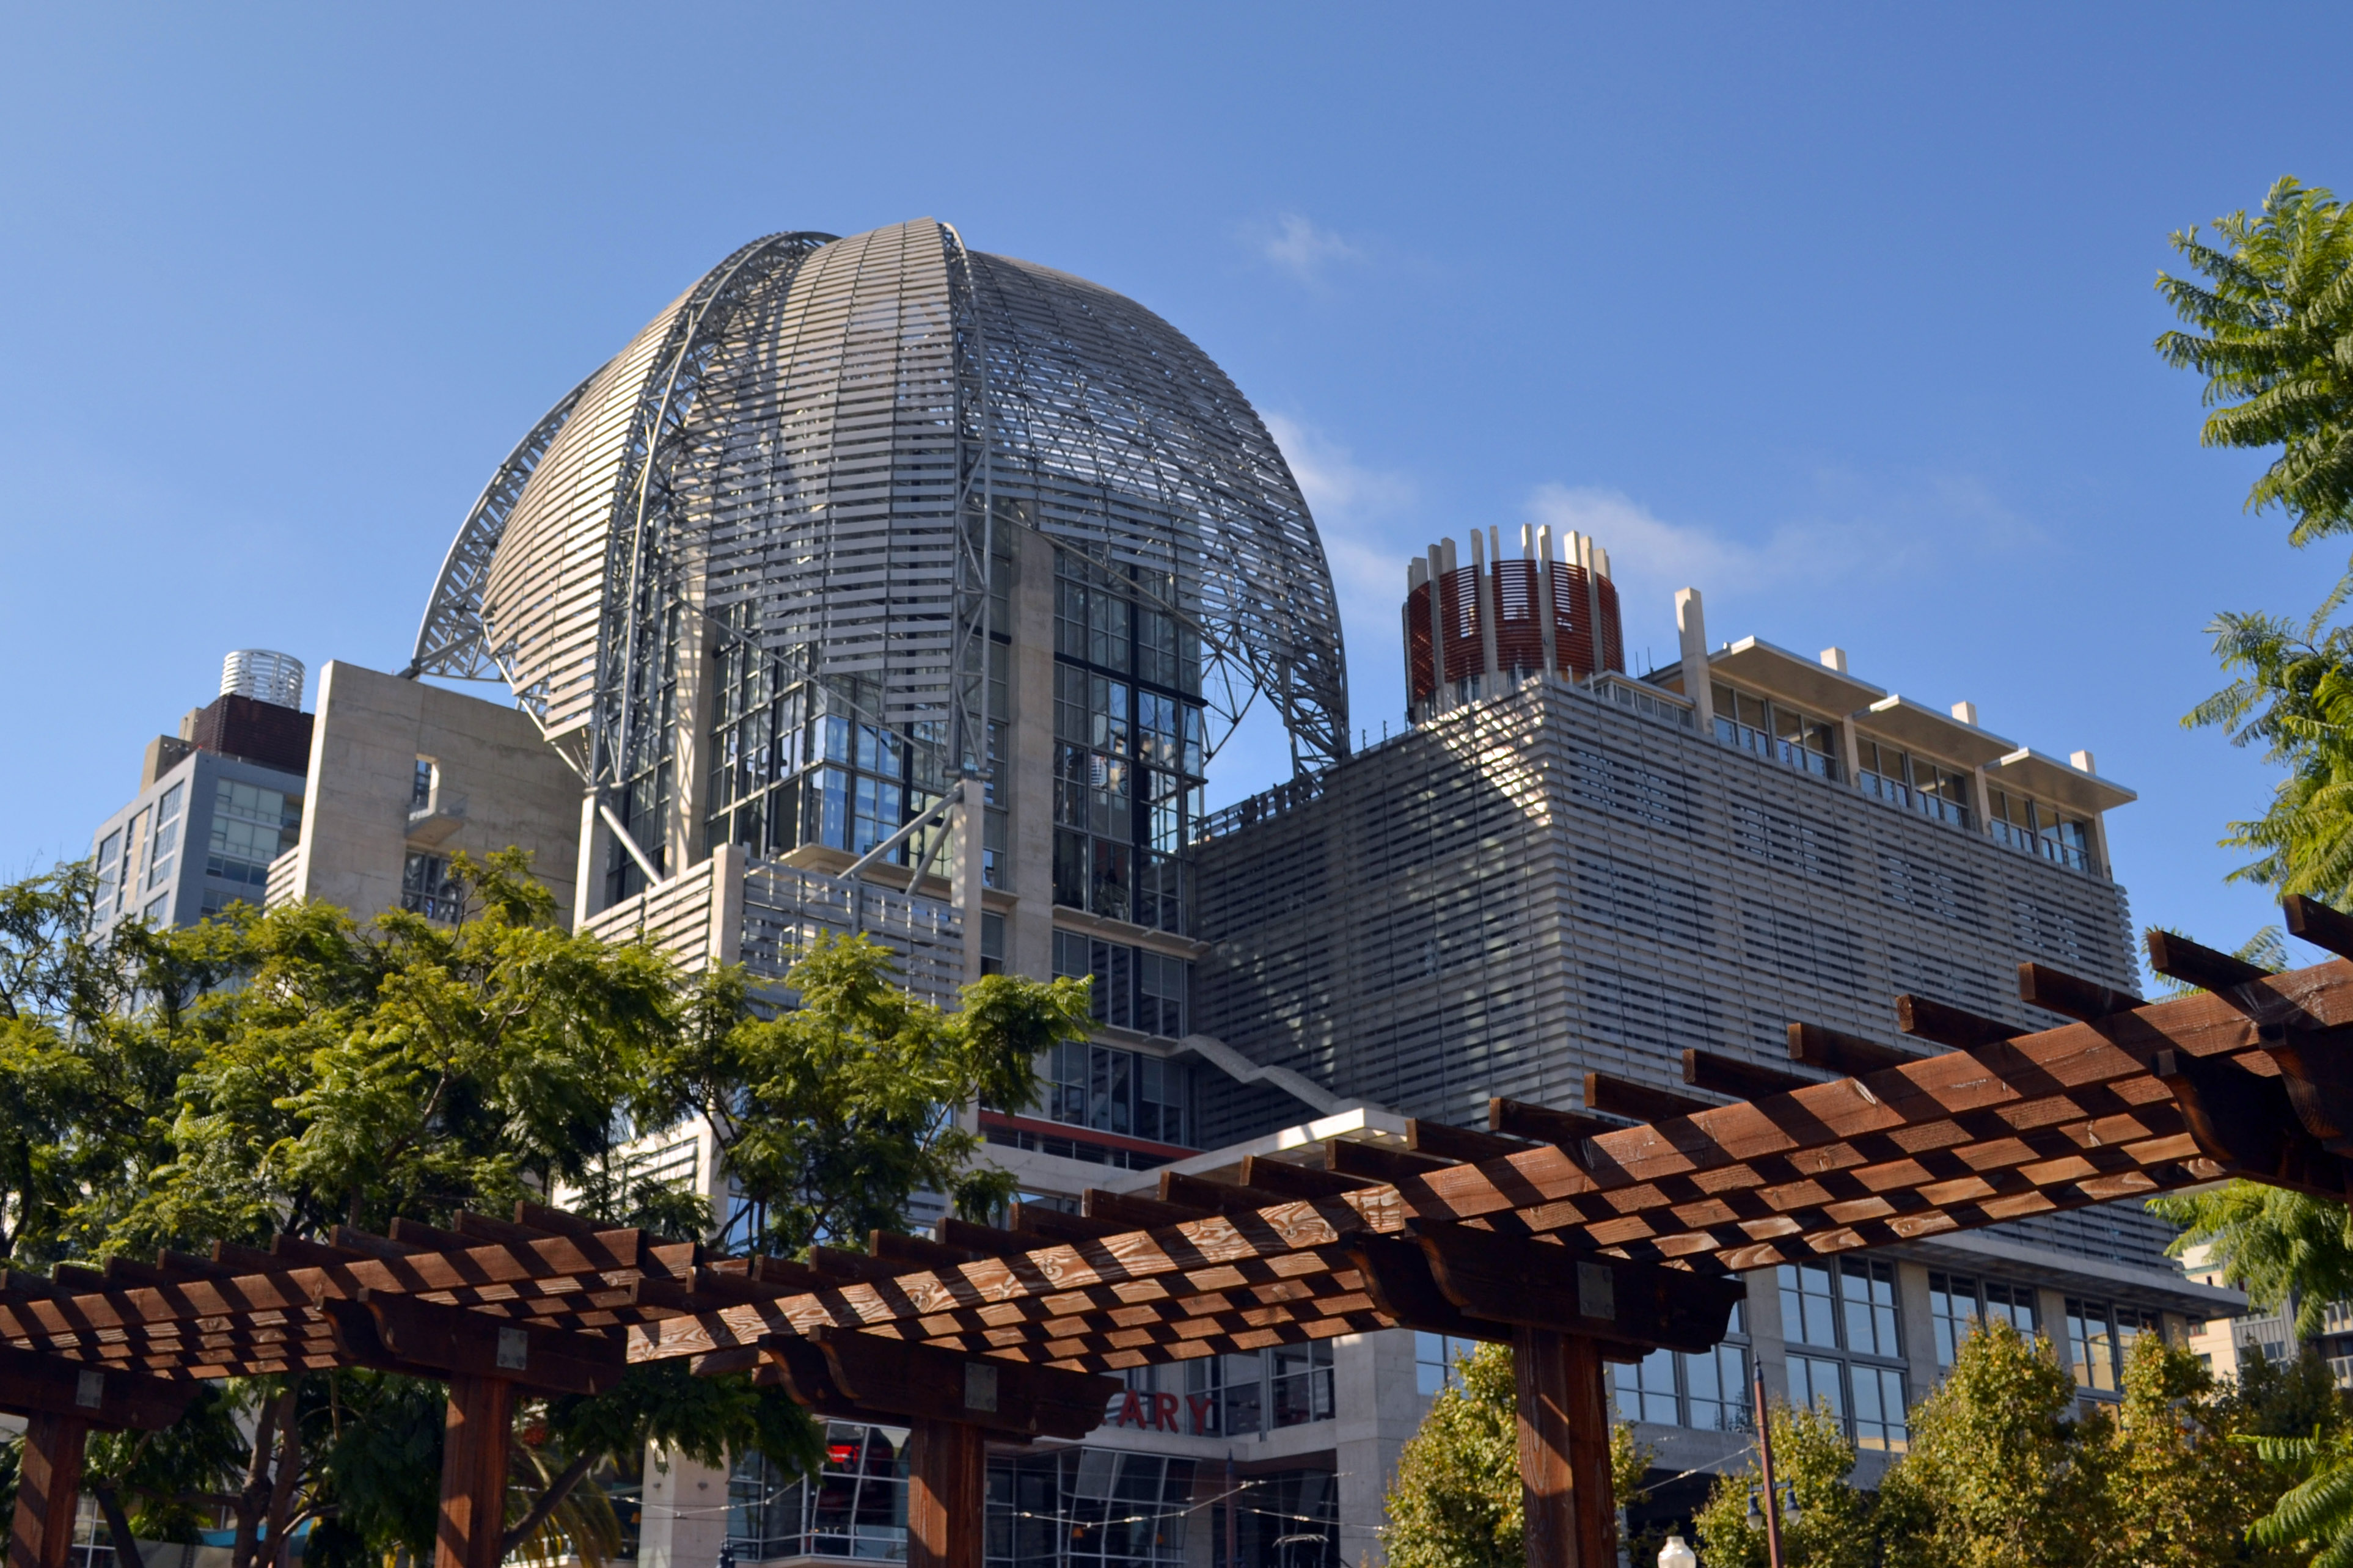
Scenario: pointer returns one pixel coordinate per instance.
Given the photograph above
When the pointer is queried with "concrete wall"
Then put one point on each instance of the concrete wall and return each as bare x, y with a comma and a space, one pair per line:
497, 785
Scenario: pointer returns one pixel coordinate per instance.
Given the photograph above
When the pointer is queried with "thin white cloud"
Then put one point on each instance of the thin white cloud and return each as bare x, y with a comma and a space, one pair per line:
1361, 514
1304, 250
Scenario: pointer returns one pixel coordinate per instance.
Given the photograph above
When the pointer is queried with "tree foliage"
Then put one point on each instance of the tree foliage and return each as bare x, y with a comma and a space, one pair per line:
294, 1070
2282, 1248
1833, 1526
1456, 1501
833, 1115
2268, 309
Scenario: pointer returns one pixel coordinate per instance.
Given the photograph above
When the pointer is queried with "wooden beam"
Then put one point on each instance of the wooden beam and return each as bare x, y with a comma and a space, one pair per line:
1136, 1211
1278, 1179
1398, 1278
408, 1334
1053, 1227
471, 1532
1615, 1096
911, 1252
1543, 1285
947, 1494
2178, 958
1200, 1193
1379, 1161
2318, 1072
34, 1383
1446, 1142
1563, 1416
2039, 985
2318, 925
1927, 1019
1848, 1056
922, 1383
49, 1492
2248, 1124
1739, 1079
1543, 1124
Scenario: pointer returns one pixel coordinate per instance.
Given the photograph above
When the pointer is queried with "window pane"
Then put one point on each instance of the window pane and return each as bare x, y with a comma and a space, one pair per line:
1815, 1381
1879, 1409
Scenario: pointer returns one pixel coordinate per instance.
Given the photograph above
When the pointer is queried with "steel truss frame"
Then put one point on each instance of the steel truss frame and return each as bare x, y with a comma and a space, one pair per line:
720, 458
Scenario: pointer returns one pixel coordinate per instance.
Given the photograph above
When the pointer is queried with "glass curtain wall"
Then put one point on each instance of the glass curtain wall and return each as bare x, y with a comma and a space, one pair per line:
1128, 738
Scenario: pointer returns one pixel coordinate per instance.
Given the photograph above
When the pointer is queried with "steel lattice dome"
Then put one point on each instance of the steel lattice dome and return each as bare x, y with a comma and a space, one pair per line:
803, 446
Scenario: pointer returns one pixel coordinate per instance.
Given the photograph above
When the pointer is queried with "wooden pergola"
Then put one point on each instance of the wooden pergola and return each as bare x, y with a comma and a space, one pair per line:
1576, 1239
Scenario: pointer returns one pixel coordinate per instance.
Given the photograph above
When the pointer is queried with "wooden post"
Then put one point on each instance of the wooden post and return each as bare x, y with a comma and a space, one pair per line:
472, 1532
1564, 1425
49, 1491
947, 1495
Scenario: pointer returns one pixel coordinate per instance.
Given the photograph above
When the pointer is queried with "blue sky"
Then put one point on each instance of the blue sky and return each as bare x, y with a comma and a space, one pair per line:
1840, 314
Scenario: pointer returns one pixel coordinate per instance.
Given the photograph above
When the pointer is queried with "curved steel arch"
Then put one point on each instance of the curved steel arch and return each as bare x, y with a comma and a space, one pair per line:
808, 450
449, 639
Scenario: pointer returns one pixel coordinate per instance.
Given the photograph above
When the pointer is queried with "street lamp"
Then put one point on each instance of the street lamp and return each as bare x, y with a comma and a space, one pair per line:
1675, 1555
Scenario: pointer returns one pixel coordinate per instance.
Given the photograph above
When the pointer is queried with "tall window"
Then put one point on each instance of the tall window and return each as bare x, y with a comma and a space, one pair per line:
2100, 1335
165, 854
109, 871
1109, 1090
425, 887
135, 838
1956, 1303
1846, 1346
1128, 744
420, 785
1707, 1390
1133, 988
1775, 730
1434, 1362
1258, 1391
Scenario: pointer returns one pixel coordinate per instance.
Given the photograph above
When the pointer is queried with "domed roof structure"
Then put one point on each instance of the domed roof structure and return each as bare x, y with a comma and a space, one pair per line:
809, 452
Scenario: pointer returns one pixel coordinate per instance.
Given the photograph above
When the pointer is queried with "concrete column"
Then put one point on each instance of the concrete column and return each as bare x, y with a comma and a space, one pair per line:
685, 1513
2050, 1311
1981, 793
1764, 1331
1544, 627
1691, 628
1489, 607
728, 864
1918, 1325
1439, 672
964, 820
1377, 1407
698, 687
1027, 792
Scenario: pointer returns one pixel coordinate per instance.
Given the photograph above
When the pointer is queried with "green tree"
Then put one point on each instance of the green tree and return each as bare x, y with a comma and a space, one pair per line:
2181, 1492
2269, 312
1456, 1501
1998, 1475
834, 1114
1834, 1525
294, 1070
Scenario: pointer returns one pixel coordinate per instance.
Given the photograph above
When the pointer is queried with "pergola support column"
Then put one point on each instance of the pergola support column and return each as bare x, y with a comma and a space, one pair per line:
473, 1531
49, 1489
947, 1495
1563, 1430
